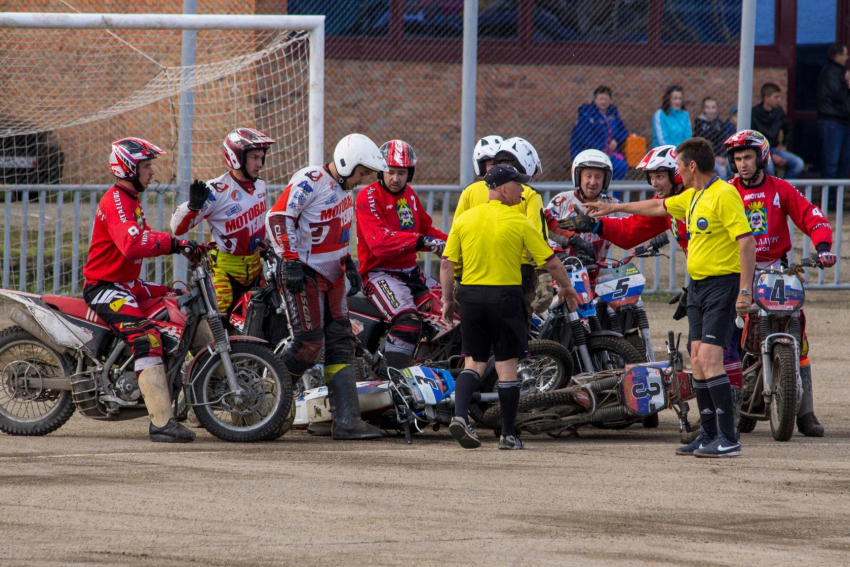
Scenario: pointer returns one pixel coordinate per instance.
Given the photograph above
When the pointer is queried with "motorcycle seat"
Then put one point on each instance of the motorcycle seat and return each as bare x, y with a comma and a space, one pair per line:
73, 306
364, 306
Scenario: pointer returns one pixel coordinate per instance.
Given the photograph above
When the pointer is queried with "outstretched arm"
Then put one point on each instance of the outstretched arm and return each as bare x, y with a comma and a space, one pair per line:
649, 208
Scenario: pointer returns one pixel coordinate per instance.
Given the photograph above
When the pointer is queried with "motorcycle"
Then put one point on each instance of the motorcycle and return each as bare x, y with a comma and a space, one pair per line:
610, 399
619, 286
771, 339
580, 331
440, 345
60, 357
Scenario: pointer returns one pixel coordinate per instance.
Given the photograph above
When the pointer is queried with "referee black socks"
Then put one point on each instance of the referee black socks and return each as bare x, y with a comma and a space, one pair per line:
721, 396
509, 400
465, 387
705, 405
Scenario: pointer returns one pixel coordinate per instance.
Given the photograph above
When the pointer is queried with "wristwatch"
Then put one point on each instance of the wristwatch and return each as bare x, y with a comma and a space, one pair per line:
744, 292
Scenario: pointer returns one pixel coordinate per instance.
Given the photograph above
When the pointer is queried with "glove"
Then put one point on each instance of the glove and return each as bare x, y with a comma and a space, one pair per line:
290, 275
582, 250
544, 294
426, 243
682, 309
578, 223
188, 248
198, 193
354, 279
827, 258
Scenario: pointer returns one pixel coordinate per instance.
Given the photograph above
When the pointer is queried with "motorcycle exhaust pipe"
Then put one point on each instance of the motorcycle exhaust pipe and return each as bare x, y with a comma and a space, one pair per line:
28, 323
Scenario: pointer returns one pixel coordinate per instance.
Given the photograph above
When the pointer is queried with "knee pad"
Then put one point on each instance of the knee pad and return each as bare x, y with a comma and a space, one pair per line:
303, 352
148, 343
339, 342
406, 327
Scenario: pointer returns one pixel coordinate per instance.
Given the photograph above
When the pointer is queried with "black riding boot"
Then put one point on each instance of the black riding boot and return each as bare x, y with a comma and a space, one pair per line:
398, 360
345, 407
807, 422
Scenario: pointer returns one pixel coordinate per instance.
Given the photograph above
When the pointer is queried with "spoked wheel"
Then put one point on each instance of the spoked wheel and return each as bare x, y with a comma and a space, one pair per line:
610, 353
549, 365
266, 399
26, 406
783, 406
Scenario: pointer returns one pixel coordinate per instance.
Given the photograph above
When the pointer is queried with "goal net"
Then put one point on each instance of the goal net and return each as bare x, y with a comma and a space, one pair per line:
68, 93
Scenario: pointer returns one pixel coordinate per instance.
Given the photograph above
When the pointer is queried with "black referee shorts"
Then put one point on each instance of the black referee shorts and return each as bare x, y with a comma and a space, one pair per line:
493, 317
711, 309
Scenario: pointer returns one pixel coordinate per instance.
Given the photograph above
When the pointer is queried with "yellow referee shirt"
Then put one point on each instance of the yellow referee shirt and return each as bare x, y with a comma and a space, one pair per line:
477, 193
715, 220
491, 241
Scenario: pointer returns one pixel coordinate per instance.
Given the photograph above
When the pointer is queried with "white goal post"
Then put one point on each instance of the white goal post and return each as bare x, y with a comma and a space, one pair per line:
73, 83
315, 25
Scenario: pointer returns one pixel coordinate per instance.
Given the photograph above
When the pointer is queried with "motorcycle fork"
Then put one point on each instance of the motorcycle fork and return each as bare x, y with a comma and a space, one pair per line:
643, 329
222, 343
580, 341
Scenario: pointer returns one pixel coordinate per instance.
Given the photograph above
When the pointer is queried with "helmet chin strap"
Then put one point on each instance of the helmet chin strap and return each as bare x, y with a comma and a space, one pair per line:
752, 180
137, 185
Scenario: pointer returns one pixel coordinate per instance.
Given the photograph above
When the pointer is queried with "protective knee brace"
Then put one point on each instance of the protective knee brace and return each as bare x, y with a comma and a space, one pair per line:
405, 330
339, 342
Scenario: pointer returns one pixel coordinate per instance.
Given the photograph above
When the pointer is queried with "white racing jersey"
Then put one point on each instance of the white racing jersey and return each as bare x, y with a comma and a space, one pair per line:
236, 214
311, 222
563, 205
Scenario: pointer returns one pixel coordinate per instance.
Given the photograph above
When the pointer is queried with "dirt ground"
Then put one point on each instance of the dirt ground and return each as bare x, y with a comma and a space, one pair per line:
101, 494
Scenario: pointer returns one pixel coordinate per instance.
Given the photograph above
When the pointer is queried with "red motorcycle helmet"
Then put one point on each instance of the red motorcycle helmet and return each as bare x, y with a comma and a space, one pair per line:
748, 139
243, 140
128, 153
399, 154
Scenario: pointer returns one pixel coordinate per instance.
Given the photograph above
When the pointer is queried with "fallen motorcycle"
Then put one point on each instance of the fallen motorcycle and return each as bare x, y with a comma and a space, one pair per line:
61, 357
611, 399
771, 340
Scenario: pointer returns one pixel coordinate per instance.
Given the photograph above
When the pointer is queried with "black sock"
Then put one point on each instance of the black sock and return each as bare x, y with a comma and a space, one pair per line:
509, 400
465, 387
721, 395
706, 409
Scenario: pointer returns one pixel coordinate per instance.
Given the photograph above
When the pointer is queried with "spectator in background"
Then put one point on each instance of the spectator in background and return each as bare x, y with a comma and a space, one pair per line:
599, 127
731, 124
833, 104
671, 124
769, 119
708, 125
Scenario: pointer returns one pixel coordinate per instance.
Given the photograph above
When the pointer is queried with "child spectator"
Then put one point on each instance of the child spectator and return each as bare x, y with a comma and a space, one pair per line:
599, 127
708, 125
769, 119
671, 124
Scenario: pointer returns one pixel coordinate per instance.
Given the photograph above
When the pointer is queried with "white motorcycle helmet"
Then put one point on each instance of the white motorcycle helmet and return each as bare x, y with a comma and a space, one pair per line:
524, 156
593, 159
485, 149
354, 150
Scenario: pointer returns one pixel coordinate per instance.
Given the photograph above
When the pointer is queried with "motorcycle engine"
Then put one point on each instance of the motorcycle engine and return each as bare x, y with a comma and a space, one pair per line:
127, 387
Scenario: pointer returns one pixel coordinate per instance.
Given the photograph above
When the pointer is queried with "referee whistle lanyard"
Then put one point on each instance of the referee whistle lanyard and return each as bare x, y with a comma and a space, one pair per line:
694, 204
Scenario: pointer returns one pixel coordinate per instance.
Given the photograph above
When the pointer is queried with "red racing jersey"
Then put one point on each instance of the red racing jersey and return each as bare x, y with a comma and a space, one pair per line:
388, 226
768, 205
121, 238
628, 232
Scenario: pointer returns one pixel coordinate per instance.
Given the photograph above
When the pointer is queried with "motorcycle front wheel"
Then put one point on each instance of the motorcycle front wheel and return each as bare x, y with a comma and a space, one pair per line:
266, 402
26, 408
611, 353
783, 406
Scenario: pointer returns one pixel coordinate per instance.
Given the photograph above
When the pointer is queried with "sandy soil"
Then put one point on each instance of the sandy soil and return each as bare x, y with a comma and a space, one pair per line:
101, 494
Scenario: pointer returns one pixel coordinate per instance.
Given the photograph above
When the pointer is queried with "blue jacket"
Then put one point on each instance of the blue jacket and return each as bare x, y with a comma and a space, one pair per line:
673, 128
591, 130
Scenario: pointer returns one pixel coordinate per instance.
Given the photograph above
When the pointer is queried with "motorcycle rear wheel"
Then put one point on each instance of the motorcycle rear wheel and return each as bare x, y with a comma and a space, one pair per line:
267, 401
783, 406
30, 411
529, 405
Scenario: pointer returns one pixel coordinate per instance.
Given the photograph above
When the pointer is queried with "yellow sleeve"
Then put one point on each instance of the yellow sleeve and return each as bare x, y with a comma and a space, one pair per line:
534, 211
452, 249
677, 205
730, 212
536, 246
463, 203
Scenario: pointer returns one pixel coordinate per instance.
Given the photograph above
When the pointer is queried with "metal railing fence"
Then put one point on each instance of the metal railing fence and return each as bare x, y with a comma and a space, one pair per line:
57, 220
